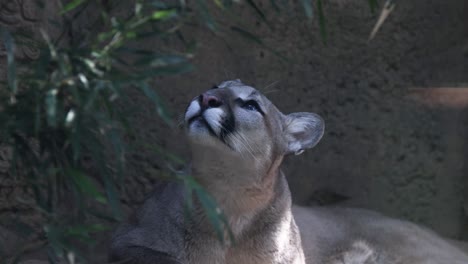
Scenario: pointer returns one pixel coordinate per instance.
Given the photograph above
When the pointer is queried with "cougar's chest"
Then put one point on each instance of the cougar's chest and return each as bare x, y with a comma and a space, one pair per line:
276, 244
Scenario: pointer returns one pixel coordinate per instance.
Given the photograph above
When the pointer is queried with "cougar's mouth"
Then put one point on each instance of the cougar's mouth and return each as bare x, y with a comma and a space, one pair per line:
203, 122
213, 121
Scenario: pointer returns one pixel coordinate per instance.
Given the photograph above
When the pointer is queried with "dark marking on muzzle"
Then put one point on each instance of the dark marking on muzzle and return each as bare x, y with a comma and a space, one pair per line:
210, 130
228, 125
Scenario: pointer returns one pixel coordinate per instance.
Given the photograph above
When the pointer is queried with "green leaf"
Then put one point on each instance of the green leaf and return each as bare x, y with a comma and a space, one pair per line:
75, 138
40, 4
113, 197
138, 8
219, 4
81, 229
135, 51
215, 215
51, 107
163, 14
72, 5
165, 153
373, 5
251, 37
169, 70
102, 215
206, 15
11, 66
40, 69
54, 237
83, 232
119, 151
52, 50
247, 35
212, 212
91, 65
307, 5
90, 100
154, 97
86, 185
257, 9
275, 6
37, 118
322, 22
161, 60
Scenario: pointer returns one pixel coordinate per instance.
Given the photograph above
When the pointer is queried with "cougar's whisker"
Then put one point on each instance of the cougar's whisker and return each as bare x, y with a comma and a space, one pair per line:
265, 89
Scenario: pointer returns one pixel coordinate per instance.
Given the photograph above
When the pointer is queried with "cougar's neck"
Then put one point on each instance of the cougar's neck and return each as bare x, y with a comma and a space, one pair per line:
241, 185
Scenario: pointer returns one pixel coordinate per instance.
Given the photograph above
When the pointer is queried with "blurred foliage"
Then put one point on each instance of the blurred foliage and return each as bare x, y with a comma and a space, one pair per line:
61, 111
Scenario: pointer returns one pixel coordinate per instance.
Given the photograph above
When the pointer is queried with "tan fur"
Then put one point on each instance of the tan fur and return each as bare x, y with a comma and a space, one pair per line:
238, 140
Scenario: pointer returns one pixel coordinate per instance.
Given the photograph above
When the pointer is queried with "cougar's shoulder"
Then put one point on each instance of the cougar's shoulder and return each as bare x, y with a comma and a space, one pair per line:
155, 232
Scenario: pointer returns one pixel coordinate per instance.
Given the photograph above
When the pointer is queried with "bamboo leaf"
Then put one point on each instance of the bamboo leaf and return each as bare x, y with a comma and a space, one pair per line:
322, 22
275, 6
40, 4
257, 9
85, 185
247, 35
84, 232
162, 4
219, 4
251, 37
154, 97
206, 15
372, 5
164, 14
72, 5
212, 212
161, 60
53, 237
307, 5
165, 153
37, 119
102, 215
51, 107
11, 66
215, 215
112, 197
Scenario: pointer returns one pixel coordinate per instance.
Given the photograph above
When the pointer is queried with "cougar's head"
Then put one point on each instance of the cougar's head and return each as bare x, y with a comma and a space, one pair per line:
237, 119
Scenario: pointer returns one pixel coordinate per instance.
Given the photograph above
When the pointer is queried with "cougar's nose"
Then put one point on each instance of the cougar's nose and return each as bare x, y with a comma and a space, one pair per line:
209, 101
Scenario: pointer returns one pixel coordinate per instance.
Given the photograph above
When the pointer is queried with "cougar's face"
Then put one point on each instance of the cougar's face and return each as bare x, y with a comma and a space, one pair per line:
238, 118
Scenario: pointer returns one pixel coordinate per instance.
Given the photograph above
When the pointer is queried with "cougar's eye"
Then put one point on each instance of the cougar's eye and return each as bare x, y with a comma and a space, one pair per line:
251, 105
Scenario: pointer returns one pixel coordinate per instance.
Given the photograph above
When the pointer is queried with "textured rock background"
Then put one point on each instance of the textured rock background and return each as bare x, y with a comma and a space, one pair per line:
386, 147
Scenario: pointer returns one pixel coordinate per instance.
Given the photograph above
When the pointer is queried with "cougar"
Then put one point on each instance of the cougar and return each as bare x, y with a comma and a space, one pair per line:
238, 140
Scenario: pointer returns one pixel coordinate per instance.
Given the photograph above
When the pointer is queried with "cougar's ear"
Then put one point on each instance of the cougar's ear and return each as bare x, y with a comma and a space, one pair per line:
302, 131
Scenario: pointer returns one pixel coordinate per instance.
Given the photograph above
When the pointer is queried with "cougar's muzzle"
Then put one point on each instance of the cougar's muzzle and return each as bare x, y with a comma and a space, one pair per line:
210, 114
